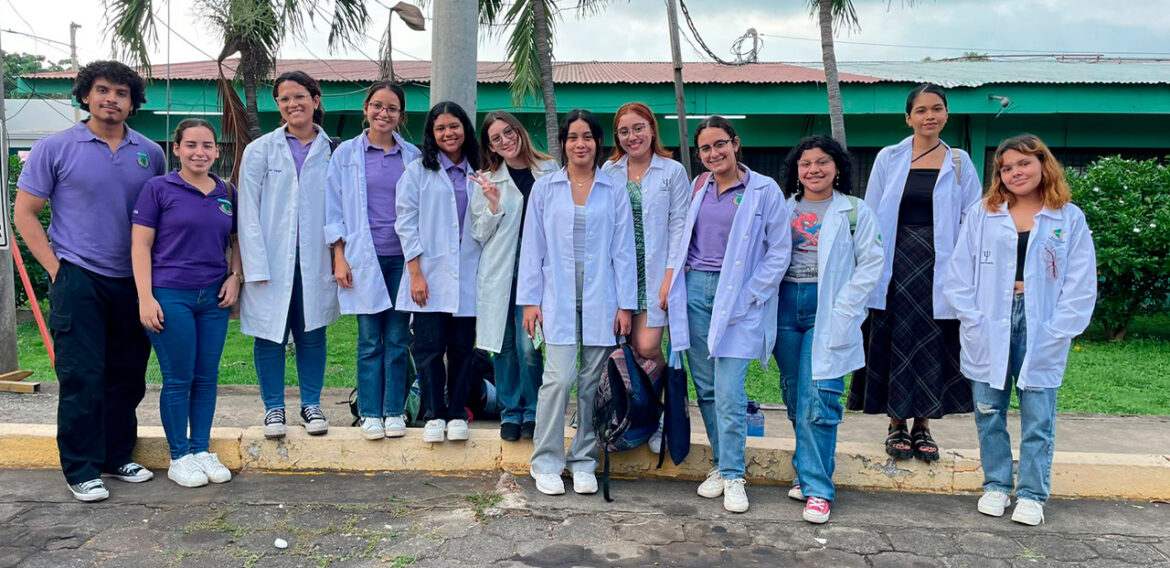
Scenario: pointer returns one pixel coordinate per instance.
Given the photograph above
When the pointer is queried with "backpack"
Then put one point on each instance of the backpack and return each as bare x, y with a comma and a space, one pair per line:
628, 404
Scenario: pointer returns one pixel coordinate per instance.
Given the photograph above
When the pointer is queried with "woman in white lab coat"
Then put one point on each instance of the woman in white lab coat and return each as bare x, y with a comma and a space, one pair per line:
1023, 282
288, 281
836, 261
434, 227
511, 167
367, 256
920, 189
577, 285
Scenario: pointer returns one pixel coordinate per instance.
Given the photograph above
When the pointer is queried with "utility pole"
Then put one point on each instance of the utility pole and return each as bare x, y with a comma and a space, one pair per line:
8, 360
680, 102
453, 53
73, 58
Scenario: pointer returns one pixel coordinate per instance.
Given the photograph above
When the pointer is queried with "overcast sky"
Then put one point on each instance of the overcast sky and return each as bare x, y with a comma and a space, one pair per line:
635, 30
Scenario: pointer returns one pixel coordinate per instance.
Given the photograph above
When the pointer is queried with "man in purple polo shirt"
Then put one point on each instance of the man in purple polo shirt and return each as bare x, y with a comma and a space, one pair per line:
93, 173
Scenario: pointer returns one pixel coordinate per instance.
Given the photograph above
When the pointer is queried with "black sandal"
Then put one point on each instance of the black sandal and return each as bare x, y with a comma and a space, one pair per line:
898, 442
924, 447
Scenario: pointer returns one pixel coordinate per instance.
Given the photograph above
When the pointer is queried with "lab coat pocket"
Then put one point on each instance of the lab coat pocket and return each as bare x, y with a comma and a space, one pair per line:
1049, 353
974, 340
844, 330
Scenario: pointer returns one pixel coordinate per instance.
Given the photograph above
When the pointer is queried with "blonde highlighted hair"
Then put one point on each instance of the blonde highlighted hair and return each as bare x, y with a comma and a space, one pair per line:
1054, 190
643, 111
490, 159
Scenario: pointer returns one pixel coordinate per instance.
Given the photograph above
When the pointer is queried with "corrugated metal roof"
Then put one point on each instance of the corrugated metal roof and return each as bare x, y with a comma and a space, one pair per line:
590, 72
975, 73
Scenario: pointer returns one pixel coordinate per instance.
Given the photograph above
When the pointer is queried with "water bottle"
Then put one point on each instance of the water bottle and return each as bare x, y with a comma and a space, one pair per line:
755, 419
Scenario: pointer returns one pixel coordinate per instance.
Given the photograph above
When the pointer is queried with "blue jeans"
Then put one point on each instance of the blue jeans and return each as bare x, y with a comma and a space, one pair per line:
188, 350
1037, 425
382, 369
519, 368
814, 407
268, 356
720, 383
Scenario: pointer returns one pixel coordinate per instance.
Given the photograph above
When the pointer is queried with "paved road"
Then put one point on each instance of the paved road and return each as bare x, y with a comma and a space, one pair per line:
419, 521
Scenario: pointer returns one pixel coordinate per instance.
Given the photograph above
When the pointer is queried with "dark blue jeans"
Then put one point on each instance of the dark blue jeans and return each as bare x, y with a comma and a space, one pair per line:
519, 368
268, 356
188, 350
383, 338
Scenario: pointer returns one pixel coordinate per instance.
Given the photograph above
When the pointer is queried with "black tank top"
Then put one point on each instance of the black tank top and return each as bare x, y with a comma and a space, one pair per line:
917, 207
1021, 251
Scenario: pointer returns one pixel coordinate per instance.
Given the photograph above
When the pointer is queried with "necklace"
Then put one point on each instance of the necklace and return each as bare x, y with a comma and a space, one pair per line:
580, 183
933, 148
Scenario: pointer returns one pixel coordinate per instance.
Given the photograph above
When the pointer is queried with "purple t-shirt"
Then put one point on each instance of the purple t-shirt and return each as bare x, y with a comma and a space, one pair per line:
299, 151
458, 175
91, 192
192, 231
713, 225
383, 169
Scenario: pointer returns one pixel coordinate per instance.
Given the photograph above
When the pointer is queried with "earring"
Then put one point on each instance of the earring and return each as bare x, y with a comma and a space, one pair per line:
837, 181
799, 185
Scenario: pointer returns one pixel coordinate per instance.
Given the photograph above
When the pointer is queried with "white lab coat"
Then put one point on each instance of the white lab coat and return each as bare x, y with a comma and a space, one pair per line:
346, 219
428, 226
548, 270
848, 267
499, 235
1060, 290
952, 197
759, 247
275, 205
665, 196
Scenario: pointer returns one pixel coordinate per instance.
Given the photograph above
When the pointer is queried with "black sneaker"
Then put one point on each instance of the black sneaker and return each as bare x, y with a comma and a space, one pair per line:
314, 420
527, 430
89, 491
132, 473
509, 431
274, 424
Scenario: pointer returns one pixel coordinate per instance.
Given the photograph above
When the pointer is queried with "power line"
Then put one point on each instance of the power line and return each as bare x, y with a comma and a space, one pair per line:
711, 54
976, 49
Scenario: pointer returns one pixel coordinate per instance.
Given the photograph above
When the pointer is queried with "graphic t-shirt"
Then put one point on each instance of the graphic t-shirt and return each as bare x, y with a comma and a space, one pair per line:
806, 231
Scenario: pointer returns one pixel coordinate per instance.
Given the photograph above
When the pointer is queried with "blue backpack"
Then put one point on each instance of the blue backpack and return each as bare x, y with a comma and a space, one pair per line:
628, 404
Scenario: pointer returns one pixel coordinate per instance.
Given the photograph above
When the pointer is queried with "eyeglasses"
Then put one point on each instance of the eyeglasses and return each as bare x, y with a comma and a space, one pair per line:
376, 108
718, 145
821, 163
508, 133
636, 129
297, 98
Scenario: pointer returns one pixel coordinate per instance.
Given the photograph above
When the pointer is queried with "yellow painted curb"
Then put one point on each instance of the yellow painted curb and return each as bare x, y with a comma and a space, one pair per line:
769, 460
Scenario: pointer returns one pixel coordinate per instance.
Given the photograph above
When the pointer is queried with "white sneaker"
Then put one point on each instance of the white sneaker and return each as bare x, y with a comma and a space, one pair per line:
734, 496
394, 426
186, 472
1028, 512
372, 428
584, 483
433, 431
712, 487
993, 503
212, 468
795, 492
549, 483
90, 491
457, 430
655, 441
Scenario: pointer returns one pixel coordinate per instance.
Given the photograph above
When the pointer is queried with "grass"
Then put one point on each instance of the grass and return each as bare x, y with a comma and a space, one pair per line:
1126, 377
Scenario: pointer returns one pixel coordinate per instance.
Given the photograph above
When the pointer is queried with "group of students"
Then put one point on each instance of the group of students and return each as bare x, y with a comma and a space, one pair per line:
919, 289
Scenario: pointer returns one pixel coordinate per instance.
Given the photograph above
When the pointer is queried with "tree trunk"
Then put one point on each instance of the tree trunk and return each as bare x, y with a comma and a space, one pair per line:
829, 56
1116, 332
544, 54
253, 116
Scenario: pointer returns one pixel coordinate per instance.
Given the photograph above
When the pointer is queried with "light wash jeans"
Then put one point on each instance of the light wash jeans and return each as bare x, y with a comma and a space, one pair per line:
1037, 425
720, 383
188, 351
268, 356
383, 338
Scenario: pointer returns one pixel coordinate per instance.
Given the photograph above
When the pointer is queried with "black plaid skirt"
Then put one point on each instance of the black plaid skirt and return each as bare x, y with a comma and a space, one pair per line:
912, 359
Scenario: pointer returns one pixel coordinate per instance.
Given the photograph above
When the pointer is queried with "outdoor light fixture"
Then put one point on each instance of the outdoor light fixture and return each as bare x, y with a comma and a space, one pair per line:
188, 112
703, 116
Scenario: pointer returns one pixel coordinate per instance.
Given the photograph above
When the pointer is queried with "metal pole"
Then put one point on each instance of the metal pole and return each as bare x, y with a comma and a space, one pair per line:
680, 101
454, 42
73, 57
8, 361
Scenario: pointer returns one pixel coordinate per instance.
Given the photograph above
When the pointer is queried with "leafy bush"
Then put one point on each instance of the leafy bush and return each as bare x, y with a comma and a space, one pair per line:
36, 273
1127, 206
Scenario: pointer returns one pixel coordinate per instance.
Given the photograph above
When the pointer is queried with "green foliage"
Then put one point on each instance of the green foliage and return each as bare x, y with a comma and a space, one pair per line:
36, 273
1127, 206
17, 64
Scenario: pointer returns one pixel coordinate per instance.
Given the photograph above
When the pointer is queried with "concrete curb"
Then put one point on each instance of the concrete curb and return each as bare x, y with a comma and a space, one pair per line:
769, 460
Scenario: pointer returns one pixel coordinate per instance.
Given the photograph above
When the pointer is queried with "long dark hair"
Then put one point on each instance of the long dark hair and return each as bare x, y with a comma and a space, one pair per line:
594, 129
716, 121
393, 88
844, 179
430, 149
925, 88
303, 79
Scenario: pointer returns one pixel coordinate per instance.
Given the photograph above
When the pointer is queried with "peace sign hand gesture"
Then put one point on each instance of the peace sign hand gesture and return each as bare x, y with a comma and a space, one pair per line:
490, 191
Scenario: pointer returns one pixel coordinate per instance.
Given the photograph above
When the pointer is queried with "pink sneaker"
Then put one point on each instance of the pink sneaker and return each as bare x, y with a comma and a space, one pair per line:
816, 510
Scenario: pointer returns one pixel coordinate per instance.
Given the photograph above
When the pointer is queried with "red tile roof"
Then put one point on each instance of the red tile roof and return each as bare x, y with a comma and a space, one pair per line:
568, 72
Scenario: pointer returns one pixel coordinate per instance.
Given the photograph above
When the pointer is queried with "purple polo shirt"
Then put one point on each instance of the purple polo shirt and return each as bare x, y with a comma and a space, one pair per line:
713, 225
299, 151
91, 192
383, 169
192, 231
458, 175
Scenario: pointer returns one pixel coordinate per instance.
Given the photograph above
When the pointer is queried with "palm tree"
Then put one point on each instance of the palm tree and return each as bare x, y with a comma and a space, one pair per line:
841, 14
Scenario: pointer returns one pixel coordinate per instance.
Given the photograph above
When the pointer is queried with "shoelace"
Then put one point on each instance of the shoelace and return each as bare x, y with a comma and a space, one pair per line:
312, 413
275, 416
130, 469
91, 484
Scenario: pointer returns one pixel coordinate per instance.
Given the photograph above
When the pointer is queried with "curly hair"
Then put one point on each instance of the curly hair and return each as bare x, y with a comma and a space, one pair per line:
842, 183
430, 149
115, 72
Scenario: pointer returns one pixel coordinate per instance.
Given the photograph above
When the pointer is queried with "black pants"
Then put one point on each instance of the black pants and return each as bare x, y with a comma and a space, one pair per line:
101, 352
444, 388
